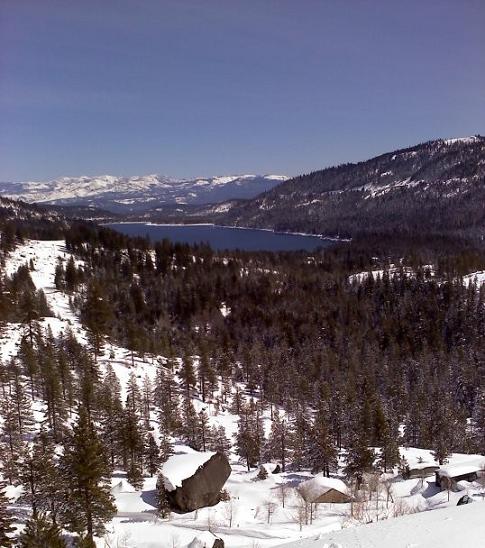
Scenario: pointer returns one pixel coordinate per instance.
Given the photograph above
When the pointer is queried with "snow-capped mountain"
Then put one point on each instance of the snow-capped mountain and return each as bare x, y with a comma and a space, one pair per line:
125, 194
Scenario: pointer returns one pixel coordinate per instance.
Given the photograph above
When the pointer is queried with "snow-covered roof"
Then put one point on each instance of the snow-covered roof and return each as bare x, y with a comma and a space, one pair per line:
422, 465
454, 470
180, 467
319, 485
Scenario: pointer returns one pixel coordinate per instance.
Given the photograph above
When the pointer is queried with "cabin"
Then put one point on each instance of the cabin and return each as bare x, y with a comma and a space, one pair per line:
321, 489
447, 477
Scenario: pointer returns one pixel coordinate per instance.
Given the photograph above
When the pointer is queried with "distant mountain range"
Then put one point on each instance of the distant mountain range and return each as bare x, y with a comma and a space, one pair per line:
124, 195
432, 188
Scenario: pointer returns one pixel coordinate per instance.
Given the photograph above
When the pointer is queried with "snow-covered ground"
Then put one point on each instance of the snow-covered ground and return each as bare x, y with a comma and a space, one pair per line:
447, 528
255, 514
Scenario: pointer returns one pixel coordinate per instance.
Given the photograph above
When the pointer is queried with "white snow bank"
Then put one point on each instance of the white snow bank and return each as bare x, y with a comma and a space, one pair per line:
446, 528
317, 486
180, 467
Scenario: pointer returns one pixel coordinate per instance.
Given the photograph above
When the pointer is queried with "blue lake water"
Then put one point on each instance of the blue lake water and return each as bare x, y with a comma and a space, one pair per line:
221, 237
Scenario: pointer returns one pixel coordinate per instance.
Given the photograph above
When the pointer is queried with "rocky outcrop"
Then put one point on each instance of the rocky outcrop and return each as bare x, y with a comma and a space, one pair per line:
203, 488
206, 540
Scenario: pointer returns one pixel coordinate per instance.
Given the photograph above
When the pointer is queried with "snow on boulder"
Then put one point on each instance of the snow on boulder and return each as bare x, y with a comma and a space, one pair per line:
180, 467
206, 540
323, 489
194, 480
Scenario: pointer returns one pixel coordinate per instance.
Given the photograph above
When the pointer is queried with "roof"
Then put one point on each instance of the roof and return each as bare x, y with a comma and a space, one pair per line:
319, 485
452, 471
180, 467
422, 465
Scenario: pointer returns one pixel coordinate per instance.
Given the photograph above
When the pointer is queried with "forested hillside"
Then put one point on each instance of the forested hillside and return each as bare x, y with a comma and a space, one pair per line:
114, 349
436, 187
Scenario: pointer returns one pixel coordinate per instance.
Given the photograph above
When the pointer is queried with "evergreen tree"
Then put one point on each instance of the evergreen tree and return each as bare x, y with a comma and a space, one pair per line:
152, 455
163, 503
189, 430
89, 503
300, 439
39, 532
41, 477
6, 520
219, 440
323, 451
278, 441
359, 458
166, 400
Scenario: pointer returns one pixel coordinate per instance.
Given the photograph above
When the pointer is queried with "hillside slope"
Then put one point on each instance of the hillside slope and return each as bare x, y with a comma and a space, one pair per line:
437, 187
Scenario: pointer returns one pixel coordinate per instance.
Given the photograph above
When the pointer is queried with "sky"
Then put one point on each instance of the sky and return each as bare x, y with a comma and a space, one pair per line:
210, 87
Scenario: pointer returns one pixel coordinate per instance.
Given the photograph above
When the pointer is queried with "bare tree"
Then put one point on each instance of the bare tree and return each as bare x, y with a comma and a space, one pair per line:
282, 493
388, 488
230, 512
270, 509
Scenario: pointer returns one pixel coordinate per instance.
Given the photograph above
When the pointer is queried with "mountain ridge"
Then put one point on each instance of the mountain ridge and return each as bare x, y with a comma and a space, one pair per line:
137, 193
436, 186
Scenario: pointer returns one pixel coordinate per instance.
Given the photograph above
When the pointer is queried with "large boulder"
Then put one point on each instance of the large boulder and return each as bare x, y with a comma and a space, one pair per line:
205, 476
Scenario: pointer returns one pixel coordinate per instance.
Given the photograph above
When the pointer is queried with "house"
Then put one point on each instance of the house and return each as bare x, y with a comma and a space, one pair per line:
447, 477
322, 489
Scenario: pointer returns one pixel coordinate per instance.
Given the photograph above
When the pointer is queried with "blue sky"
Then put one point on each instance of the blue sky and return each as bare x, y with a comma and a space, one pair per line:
206, 87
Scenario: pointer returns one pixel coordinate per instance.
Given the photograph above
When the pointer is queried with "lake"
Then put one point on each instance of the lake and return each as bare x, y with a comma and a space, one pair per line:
221, 237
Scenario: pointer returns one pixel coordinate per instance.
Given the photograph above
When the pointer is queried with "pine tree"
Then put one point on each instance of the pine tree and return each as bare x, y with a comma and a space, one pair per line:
203, 430
389, 455
97, 314
359, 458
41, 477
187, 375
278, 441
6, 520
10, 438
206, 373
219, 440
248, 437
133, 446
111, 416
29, 362
89, 503
323, 448
39, 532
152, 455
146, 402
300, 439
190, 429
166, 400
166, 448
163, 503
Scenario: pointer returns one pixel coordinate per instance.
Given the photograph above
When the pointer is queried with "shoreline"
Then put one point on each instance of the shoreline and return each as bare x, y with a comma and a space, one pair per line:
283, 233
